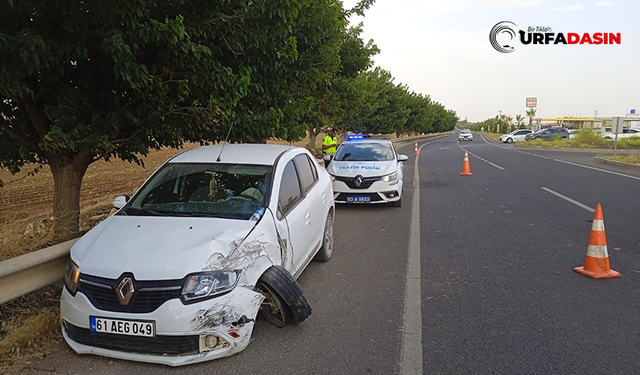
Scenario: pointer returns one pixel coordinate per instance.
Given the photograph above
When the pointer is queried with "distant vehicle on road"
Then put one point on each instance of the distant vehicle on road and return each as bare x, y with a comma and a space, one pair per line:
549, 134
626, 133
465, 135
515, 136
573, 133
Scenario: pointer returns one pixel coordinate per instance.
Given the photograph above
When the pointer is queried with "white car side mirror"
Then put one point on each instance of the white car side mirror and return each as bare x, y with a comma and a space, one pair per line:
403, 157
327, 158
120, 201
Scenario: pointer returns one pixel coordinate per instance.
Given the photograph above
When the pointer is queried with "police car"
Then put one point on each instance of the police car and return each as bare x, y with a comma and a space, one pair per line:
367, 171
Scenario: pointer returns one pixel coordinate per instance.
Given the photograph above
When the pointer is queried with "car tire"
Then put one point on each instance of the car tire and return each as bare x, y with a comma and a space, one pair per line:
285, 301
397, 203
509, 140
326, 250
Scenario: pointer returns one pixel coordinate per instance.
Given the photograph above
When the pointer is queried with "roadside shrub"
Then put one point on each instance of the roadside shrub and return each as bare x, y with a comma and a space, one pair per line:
623, 144
588, 137
558, 142
634, 141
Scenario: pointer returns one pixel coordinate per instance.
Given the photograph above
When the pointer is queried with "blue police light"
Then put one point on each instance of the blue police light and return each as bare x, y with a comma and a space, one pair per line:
353, 137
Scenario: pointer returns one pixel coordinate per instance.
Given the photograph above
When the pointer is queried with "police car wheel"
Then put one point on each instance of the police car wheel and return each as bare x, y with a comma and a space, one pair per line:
326, 250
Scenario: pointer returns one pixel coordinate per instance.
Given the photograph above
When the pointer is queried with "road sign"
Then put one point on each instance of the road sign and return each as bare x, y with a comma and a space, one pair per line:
532, 102
616, 125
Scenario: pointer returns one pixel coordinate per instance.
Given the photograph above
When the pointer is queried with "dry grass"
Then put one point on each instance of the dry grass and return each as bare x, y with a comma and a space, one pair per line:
30, 325
492, 136
631, 159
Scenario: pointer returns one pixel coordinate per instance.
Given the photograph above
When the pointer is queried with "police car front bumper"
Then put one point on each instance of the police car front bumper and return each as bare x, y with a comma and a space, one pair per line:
378, 192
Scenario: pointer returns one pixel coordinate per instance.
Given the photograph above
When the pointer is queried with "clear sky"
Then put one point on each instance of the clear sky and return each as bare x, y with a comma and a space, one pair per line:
441, 48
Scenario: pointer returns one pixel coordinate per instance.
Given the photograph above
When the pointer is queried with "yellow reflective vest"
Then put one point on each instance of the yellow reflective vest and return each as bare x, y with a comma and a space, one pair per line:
328, 140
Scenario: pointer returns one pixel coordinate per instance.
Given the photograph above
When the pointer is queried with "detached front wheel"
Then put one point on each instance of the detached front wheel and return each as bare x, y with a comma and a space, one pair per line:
284, 299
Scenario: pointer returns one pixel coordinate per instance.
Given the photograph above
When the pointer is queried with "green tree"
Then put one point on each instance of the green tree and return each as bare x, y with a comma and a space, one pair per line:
383, 108
519, 121
335, 100
82, 81
531, 113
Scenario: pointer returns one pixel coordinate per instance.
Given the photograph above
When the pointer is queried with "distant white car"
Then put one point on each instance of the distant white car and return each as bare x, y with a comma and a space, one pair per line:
367, 171
626, 133
573, 133
515, 136
216, 235
465, 135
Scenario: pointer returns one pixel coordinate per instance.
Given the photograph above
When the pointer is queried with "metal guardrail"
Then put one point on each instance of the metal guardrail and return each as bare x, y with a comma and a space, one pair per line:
30, 272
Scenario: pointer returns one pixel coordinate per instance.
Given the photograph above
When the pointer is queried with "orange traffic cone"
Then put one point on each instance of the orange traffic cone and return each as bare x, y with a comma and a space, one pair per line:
466, 171
596, 263
415, 151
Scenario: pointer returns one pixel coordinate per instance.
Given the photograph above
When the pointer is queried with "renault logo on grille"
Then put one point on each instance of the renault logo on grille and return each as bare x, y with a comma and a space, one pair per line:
124, 291
358, 180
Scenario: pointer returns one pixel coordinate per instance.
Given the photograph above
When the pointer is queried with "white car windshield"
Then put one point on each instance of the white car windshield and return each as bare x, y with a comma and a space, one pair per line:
203, 189
465, 132
365, 152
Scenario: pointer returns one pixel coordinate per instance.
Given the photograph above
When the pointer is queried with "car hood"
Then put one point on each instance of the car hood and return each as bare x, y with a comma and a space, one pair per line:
156, 247
363, 168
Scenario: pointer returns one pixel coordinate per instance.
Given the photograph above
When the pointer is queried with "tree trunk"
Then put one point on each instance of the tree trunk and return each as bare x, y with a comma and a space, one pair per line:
67, 177
313, 135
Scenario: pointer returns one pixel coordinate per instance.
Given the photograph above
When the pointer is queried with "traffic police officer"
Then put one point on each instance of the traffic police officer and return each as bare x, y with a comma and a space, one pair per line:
329, 144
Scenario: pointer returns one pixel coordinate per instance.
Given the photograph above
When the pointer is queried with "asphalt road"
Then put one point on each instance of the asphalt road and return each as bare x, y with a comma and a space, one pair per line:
495, 293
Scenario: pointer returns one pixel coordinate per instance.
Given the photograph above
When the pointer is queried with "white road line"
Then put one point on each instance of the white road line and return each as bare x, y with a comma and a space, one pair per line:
486, 161
497, 166
411, 354
481, 136
597, 169
568, 162
569, 199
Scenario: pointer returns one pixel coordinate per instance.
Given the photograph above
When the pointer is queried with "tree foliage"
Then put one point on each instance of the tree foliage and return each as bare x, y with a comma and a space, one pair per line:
89, 80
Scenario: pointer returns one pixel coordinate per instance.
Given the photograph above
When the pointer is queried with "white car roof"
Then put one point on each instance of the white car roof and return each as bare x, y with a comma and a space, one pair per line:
260, 154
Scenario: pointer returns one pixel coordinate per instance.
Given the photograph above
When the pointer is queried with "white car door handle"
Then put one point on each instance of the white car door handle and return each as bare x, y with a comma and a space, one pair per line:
307, 219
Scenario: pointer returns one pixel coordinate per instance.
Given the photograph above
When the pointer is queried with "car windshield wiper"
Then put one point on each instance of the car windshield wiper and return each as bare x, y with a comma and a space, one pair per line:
143, 211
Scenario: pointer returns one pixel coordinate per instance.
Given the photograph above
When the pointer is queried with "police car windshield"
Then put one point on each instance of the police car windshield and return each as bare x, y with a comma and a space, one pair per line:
364, 152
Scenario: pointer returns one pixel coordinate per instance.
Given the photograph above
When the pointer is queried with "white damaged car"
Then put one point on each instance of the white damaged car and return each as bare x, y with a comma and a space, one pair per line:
367, 171
214, 236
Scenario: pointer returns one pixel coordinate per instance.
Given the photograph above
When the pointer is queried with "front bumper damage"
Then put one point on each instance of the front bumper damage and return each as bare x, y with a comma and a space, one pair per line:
181, 330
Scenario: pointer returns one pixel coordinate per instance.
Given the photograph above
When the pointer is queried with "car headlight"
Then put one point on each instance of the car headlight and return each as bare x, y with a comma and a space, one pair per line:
391, 179
203, 285
71, 276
